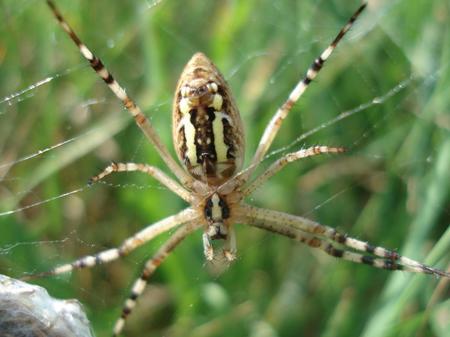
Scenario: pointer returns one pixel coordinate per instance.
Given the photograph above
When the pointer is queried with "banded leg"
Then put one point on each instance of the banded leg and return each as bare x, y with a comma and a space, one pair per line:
283, 161
150, 267
275, 123
294, 226
140, 119
130, 244
332, 250
148, 169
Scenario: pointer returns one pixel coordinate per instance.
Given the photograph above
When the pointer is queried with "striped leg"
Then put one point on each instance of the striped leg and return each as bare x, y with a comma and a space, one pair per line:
148, 169
331, 249
283, 161
150, 267
319, 236
274, 125
130, 244
129, 104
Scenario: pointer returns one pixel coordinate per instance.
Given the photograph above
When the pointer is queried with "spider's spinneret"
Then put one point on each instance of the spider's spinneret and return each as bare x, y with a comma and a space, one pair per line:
207, 128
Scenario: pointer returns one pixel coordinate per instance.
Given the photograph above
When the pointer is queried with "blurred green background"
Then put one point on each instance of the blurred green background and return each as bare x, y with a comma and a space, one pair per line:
391, 188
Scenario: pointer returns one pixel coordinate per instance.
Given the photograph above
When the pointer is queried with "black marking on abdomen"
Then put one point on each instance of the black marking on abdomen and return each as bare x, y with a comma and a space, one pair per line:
228, 139
202, 119
183, 149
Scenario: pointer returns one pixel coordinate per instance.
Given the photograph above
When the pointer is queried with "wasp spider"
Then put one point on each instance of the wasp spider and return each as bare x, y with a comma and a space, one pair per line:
209, 141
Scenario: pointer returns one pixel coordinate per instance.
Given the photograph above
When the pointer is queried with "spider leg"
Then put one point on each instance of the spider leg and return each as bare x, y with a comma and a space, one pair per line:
140, 119
148, 169
286, 159
150, 267
275, 123
318, 236
130, 244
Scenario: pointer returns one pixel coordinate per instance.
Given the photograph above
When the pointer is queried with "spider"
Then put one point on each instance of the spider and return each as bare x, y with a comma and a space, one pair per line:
208, 138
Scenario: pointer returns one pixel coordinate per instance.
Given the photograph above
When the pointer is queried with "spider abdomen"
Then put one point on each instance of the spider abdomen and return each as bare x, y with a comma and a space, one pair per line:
207, 129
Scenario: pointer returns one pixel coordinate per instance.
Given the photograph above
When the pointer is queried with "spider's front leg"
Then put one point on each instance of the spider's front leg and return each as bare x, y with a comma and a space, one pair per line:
332, 242
150, 267
130, 244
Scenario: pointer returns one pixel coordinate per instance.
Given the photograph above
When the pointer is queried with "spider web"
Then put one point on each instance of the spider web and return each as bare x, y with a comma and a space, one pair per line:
382, 95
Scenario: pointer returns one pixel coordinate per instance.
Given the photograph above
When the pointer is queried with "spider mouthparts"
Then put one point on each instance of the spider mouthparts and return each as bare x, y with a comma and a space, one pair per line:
219, 236
217, 231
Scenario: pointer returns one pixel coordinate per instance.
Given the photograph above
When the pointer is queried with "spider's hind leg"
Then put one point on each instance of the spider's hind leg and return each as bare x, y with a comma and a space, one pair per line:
280, 115
135, 111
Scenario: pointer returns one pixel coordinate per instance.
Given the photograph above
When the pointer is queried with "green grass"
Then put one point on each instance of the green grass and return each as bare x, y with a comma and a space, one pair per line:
391, 189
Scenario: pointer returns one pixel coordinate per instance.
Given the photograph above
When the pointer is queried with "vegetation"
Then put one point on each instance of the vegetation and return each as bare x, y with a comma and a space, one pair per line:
391, 188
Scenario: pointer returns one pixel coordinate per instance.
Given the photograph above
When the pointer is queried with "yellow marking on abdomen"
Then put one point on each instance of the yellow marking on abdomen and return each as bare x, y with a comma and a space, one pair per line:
189, 135
219, 141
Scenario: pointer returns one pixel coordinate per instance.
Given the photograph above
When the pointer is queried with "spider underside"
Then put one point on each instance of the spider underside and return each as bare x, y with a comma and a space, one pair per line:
209, 141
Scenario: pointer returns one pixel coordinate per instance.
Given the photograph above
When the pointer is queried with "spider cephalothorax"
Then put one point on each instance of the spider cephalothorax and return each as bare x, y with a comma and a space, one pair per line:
218, 226
209, 141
